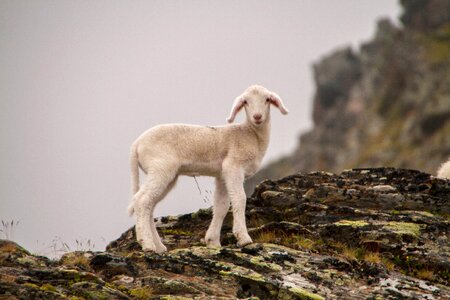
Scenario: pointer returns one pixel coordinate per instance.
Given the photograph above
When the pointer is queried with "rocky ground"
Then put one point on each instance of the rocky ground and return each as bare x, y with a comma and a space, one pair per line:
364, 234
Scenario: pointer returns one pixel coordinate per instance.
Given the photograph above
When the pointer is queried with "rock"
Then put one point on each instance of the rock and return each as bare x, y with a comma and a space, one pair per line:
333, 239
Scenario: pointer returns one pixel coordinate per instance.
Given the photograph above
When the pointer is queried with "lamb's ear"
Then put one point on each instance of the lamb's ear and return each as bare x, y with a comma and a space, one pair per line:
237, 105
276, 100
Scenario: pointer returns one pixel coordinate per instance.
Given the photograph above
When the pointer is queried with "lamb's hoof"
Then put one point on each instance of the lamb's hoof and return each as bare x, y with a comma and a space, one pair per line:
161, 249
147, 246
213, 244
244, 241
211, 241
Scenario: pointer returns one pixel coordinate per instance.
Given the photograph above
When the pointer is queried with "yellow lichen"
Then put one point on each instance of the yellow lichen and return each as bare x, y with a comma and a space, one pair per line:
353, 224
304, 294
403, 228
141, 293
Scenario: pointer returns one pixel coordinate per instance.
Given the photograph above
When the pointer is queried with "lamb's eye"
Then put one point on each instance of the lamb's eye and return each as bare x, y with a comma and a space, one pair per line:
267, 100
245, 102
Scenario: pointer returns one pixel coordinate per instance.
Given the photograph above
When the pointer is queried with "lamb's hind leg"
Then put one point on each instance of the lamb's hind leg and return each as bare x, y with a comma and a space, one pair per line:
160, 248
220, 210
153, 190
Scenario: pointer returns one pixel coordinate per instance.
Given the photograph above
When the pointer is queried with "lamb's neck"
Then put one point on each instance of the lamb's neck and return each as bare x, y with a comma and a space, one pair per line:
262, 134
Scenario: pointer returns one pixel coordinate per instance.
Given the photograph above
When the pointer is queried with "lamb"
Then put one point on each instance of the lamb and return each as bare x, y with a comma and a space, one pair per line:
230, 153
444, 170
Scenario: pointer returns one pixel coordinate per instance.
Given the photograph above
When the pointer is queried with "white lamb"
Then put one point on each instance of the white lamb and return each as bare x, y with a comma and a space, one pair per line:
444, 170
230, 153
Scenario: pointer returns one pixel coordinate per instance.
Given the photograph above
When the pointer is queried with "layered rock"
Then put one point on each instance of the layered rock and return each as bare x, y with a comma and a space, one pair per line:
387, 104
363, 234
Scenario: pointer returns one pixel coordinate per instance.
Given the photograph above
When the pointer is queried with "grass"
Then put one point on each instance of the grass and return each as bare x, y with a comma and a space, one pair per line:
57, 247
294, 241
266, 237
425, 274
387, 263
78, 260
8, 228
373, 257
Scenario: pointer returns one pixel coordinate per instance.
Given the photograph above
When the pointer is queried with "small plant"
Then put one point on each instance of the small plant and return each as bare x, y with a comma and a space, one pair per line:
266, 237
352, 253
298, 241
388, 263
373, 257
84, 245
256, 221
8, 229
205, 198
425, 274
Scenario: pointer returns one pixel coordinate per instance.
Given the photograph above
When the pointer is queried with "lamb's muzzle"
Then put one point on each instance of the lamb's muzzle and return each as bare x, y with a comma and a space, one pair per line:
230, 153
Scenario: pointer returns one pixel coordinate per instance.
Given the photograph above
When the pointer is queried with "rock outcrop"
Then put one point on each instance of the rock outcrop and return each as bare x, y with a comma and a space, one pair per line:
363, 234
387, 104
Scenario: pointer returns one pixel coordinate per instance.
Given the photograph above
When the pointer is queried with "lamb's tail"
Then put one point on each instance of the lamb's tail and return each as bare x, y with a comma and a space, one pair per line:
134, 164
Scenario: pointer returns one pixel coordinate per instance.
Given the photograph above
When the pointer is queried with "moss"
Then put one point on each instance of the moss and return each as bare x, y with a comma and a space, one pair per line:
202, 214
176, 232
353, 224
304, 294
437, 46
403, 228
48, 288
225, 273
141, 293
31, 285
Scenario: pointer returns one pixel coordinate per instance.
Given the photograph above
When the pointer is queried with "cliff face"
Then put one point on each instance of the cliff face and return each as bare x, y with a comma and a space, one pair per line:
386, 105
364, 234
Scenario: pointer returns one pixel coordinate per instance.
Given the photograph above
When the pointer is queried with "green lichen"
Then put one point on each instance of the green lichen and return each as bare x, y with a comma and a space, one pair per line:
237, 271
304, 294
403, 228
259, 261
353, 224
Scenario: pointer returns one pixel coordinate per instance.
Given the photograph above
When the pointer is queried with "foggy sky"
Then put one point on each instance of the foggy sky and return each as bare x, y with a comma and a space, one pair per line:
81, 80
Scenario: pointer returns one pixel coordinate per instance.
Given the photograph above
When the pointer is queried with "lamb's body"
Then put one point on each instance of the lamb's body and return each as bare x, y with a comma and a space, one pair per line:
200, 150
230, 153
444, 170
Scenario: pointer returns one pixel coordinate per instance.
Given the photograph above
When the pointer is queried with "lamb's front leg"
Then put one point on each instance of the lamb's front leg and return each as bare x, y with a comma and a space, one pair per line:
234, 181
220, 210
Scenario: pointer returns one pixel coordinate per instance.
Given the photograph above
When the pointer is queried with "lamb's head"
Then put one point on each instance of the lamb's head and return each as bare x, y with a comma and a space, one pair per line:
256, 100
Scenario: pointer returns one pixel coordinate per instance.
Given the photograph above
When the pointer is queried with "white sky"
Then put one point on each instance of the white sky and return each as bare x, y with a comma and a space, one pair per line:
80, 80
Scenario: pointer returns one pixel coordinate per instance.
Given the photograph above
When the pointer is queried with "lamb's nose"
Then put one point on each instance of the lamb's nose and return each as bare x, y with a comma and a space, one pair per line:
257, 117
